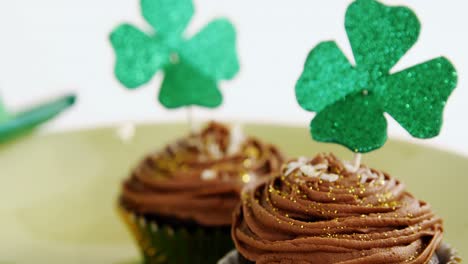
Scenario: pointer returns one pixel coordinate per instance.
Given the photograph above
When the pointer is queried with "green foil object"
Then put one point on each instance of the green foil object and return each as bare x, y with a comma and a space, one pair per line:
14, 125
192, 67
3, 113
162, 243
350, 100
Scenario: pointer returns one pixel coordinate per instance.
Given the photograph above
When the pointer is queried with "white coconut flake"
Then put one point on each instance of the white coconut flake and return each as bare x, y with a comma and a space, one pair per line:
309, 171
237, 138
321, 166
293, 165
126, 132
208, 175
366, 174
329, 177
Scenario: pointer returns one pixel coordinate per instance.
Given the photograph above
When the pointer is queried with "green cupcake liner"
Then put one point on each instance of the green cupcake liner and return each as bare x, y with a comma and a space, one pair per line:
162, 243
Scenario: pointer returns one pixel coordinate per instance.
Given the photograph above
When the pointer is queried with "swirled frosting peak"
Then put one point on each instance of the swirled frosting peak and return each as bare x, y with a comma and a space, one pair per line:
199, 177
325, 211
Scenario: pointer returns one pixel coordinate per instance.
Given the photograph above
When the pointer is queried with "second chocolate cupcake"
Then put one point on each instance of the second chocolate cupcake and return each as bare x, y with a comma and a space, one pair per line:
325, 211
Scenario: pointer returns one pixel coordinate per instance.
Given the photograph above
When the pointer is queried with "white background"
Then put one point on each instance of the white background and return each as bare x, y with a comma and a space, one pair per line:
48, 47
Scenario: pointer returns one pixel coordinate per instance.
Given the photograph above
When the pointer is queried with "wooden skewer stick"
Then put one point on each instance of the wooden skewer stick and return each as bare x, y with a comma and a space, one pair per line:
190, 120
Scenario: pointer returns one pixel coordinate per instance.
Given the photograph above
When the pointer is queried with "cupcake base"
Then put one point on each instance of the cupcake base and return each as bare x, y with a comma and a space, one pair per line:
444, 255
165, 240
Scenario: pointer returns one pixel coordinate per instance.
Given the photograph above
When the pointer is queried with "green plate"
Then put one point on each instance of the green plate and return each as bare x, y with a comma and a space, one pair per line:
58, 191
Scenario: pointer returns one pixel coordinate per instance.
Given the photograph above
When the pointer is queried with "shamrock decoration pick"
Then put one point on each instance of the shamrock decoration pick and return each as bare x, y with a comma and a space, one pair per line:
350, 101
13, 125
191, 67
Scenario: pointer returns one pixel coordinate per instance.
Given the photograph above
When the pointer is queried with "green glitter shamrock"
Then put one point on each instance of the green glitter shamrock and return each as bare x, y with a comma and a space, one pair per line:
350, 101
192, 67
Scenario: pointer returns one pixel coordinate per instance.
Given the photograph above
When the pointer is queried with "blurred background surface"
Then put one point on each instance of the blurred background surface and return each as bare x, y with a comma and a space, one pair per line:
50, 47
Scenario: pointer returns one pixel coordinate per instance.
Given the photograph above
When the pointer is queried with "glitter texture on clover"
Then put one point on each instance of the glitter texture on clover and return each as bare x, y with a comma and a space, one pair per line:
350, 100
192, 66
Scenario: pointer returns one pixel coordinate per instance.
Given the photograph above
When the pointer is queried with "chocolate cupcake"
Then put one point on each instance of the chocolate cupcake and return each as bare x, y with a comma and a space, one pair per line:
179, 202
325, 211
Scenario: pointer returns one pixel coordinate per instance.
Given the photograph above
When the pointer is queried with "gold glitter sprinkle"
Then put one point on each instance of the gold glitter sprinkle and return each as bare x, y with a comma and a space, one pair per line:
246, 177
252, 152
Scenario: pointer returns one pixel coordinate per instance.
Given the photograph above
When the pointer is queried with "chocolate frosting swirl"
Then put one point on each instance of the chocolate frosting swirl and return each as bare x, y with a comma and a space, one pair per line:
326, 211
199, 178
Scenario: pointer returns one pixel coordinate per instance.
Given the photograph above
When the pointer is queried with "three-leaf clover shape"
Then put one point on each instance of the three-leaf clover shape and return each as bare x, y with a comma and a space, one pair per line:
192, 67
350, 101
